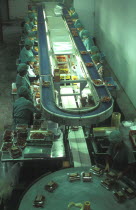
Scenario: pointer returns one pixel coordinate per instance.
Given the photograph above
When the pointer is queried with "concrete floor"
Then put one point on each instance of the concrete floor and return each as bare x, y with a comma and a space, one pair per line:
9, 52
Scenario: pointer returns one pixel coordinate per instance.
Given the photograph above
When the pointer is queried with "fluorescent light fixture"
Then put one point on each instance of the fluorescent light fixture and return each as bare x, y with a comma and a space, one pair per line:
44, 15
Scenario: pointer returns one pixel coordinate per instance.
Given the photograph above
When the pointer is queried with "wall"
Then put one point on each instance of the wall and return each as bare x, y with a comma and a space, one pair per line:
115, 29
85, 10
4, 14
18, 8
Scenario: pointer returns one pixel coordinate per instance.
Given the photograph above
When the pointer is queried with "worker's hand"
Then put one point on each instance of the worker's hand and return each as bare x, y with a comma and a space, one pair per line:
36, 57
119, 176
35, 83
107, 168
37, 77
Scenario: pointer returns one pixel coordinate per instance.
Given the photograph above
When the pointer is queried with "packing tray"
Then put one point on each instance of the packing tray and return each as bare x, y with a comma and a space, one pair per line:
95, 81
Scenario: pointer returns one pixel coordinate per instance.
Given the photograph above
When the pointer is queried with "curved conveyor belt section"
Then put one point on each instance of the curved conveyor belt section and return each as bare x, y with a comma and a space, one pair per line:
52, 112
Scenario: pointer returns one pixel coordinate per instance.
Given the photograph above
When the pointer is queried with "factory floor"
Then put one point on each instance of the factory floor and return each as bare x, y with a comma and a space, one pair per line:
9, 52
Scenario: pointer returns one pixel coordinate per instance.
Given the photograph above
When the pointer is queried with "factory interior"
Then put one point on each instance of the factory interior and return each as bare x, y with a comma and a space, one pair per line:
67, 105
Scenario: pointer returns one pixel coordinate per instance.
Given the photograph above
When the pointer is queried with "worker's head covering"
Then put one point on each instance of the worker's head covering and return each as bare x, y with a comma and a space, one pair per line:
77, 21
85, 33
27, 19
72, 9
32, 15
79, 25
85, 36
96, 57
29, 42
22, 67
23, 91
74, 15
31, 59
94, 49
115, 137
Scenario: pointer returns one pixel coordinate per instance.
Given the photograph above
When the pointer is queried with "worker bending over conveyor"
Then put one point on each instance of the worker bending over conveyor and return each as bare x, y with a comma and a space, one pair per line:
26, 51
119, 156
23, 108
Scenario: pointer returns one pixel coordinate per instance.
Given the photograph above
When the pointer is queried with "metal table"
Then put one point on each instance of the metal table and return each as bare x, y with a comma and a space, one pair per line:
38, 152
77, 192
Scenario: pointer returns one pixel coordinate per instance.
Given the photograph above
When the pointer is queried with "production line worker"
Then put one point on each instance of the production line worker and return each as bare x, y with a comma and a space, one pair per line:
97, 61
33, 21
22, 78
31, 62
77, 23
90, 46
119, 156
23, 108
31, 9
28, 28
84, 35
88, 42
27, 51
94, 50
73, 13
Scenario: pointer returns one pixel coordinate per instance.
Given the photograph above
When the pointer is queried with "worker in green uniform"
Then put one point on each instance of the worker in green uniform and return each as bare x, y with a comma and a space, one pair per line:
80, 29
31, 61
33, 18
71, 10
119, 156
31, 8
77, 22
87, 41
23, 108
22, 78
97, 61
73, 13
26, 51
79, 26
83, 32
28, 28
94, 50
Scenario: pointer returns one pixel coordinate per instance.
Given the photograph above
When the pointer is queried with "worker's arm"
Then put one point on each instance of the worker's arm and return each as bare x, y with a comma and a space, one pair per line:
125, 171
131, 163
32, 108
108, 158
107, 161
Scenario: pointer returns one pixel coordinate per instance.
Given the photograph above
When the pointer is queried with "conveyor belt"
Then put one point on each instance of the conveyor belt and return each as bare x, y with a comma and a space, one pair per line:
102, 91
102, 112
79, 148
77, 192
